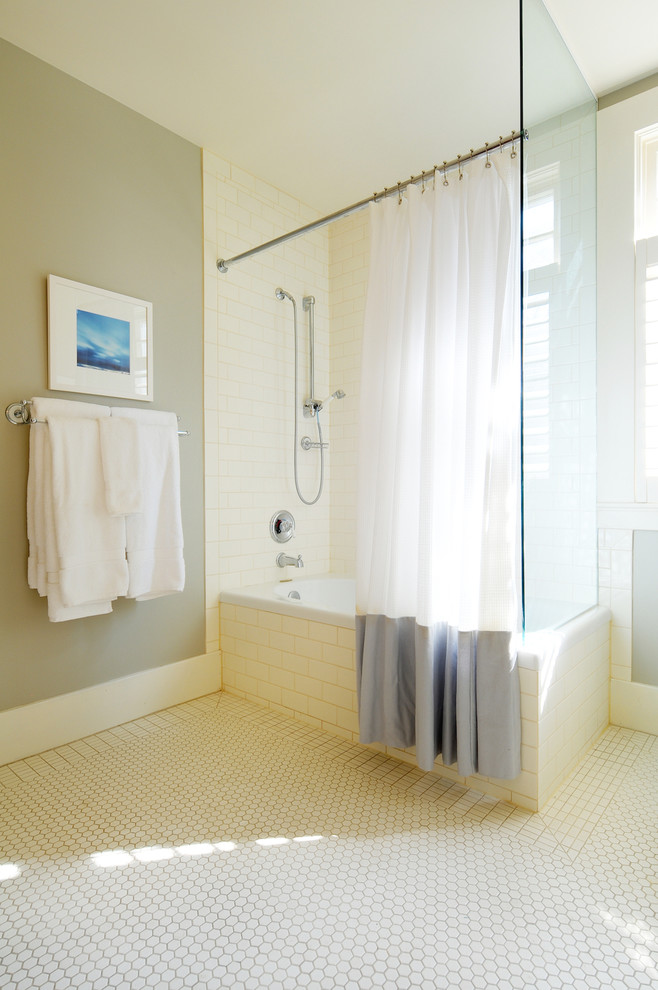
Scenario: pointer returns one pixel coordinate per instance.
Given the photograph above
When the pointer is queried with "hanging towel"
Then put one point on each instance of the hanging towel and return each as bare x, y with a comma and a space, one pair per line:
121, 465
43, 562
154, 537
36, 509
90, 542
42, 557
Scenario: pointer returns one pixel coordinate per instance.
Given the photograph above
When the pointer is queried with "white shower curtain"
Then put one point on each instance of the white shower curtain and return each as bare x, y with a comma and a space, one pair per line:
438, 524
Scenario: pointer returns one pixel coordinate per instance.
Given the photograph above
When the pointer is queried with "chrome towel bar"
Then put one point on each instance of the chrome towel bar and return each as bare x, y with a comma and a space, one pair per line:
18, 414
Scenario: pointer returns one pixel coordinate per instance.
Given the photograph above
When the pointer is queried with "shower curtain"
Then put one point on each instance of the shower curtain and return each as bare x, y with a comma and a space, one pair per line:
438, 520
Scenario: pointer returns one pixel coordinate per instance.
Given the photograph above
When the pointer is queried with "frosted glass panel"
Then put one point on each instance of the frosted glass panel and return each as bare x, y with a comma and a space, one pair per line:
559, 328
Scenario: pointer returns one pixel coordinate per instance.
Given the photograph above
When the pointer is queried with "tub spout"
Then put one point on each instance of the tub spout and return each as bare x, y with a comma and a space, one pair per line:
283, 560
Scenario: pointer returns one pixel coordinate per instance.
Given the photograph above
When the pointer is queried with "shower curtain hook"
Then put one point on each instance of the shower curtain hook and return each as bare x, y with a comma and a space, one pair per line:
399, 195
513, 155
487, 163
445, 173
501, 143
422, 182
434, 179
461, 174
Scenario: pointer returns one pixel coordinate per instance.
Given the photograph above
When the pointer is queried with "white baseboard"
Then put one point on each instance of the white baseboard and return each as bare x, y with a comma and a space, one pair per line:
45, 724
635, 706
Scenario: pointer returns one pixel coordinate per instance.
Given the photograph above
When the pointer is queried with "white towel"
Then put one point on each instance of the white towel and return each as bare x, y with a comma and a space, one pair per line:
121, 465
43, 564
154, 537
41, 408
40, 523
90, 542
35, 497
42, 560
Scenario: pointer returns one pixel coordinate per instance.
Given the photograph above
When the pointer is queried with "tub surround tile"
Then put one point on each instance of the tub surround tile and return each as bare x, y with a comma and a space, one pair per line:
564, 703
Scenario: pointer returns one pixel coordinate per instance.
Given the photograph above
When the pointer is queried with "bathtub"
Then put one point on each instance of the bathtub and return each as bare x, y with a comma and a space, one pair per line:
290, 646
327, 598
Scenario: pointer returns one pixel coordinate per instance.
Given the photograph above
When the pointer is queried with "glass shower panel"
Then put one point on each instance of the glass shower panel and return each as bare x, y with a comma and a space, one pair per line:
559, 328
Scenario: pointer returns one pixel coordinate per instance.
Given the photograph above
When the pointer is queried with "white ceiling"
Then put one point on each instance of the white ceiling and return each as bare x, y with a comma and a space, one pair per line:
327, 100
614, 42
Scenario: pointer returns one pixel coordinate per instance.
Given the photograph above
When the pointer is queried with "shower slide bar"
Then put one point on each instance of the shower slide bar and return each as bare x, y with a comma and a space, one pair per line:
487, 149
18, 415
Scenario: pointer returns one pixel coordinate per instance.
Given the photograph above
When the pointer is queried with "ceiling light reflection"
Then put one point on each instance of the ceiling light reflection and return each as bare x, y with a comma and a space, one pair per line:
278, 840
307, 838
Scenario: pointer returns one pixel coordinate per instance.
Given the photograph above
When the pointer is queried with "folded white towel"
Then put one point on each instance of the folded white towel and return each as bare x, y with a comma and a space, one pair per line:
90, 542
121, 465
154, 537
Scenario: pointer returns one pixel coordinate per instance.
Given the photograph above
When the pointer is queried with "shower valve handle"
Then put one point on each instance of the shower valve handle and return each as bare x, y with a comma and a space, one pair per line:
307, 444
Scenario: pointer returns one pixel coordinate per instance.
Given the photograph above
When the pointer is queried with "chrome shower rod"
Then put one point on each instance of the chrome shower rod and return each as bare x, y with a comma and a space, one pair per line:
488, 149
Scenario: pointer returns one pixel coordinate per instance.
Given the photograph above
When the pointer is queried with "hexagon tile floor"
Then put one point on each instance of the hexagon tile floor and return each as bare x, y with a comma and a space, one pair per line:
217, 844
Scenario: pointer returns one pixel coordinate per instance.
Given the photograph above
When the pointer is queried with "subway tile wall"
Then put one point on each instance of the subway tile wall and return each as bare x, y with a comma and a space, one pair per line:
573, 698
249, 380
616, 593
349, 255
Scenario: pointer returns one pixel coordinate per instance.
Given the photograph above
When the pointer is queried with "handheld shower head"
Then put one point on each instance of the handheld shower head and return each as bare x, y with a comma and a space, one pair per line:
338, 394
282, 294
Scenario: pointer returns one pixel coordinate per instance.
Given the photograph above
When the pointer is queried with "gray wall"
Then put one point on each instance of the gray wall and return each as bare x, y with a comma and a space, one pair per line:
91, 191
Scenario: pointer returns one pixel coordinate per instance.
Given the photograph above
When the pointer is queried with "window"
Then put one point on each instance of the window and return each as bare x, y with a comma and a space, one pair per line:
536, 394
540, 233
646, 313
540, 250
646, 183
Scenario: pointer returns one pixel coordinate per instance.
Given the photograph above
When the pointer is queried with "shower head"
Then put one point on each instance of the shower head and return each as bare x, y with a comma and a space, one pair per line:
338, 394
282, 294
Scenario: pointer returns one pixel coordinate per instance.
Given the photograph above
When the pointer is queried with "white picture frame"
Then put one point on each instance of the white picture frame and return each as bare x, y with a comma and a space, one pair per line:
99, 342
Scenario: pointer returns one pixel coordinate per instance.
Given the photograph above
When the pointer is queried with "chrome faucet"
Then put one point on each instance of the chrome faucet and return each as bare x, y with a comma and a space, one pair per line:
283, 560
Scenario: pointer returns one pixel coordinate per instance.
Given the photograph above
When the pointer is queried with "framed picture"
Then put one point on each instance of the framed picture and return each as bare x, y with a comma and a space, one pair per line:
99, 342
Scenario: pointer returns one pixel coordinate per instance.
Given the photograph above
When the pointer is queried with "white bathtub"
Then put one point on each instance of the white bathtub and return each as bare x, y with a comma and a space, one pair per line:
326, 598
331, 598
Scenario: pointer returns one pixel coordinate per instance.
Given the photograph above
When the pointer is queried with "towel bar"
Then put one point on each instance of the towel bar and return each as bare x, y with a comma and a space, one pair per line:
18, 415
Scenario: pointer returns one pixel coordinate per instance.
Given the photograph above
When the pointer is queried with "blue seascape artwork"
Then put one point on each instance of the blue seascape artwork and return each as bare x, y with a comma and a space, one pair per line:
103, 342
